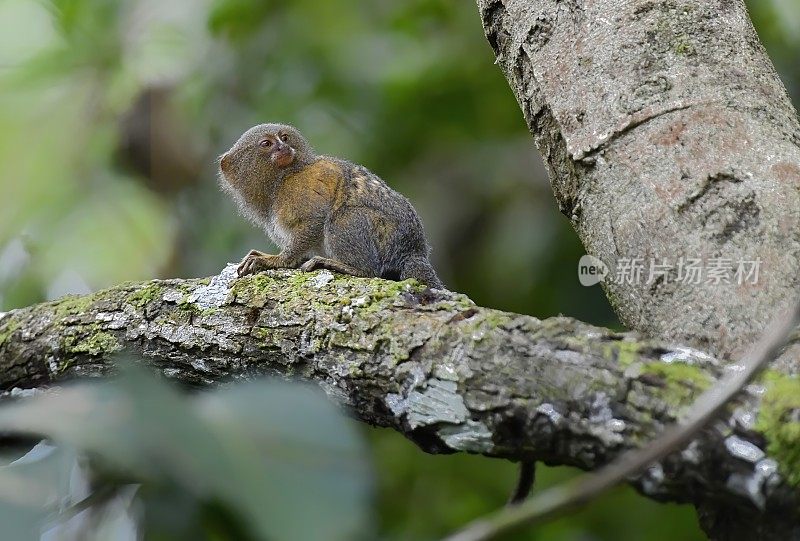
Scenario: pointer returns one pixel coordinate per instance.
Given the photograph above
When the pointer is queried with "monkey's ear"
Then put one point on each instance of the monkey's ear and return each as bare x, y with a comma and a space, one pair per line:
225, 162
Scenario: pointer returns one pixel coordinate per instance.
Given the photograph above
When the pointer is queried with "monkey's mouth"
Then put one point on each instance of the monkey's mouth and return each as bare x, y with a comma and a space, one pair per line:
283, 156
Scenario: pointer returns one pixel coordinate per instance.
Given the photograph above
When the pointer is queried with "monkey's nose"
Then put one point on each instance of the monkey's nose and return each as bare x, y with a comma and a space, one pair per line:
225, 161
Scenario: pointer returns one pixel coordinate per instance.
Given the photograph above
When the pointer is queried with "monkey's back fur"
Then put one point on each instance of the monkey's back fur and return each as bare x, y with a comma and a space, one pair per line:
368, 226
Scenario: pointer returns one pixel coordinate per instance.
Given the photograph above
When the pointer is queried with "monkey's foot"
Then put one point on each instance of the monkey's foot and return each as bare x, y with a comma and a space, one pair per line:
318, 262
256, 261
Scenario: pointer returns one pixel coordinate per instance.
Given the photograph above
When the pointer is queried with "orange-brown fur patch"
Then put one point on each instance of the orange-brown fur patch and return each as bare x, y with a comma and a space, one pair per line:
307, 193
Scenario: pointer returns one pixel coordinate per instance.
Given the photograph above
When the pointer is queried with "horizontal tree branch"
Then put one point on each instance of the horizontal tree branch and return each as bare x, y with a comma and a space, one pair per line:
431, 364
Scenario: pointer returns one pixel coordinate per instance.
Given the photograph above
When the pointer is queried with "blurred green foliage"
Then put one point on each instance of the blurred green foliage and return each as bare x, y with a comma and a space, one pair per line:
250, 461
112, 114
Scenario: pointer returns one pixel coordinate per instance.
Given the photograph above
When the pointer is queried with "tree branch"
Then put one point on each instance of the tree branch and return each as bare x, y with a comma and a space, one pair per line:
711, 404
449, 375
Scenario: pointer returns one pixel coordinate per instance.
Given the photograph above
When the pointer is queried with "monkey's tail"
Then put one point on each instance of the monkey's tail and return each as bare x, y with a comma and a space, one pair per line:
418, 267
527, 476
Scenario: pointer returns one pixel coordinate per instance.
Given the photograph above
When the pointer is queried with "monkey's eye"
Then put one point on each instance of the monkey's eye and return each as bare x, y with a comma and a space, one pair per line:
285, 137
265, 143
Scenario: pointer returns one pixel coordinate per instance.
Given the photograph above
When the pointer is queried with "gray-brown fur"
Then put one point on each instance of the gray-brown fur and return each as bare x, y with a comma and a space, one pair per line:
322, 212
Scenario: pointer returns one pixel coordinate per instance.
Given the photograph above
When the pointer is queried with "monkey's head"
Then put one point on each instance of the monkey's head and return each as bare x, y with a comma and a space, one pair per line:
257, 162
262, 156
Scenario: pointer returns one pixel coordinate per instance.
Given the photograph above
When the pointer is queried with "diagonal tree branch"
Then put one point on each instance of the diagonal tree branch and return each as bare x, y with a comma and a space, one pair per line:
449, 375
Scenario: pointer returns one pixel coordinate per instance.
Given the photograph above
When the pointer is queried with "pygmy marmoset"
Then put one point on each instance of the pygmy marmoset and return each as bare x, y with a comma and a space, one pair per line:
322, 212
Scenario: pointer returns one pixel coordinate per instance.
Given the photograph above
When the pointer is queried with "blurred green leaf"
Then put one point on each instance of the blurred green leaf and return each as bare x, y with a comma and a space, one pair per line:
32, 488
237, 18
277, 455
315, 475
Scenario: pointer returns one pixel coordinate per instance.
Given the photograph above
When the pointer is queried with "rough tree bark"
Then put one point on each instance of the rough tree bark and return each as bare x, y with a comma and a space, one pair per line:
667, 134
448, 374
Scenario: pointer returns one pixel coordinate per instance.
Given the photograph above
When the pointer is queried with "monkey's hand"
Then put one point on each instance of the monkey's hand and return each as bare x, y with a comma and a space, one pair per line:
256, 261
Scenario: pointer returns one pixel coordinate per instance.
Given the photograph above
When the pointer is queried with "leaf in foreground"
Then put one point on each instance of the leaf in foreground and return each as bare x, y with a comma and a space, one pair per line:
278, 455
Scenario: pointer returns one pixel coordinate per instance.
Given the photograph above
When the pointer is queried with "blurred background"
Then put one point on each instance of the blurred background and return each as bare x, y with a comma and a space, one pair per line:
112, 114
